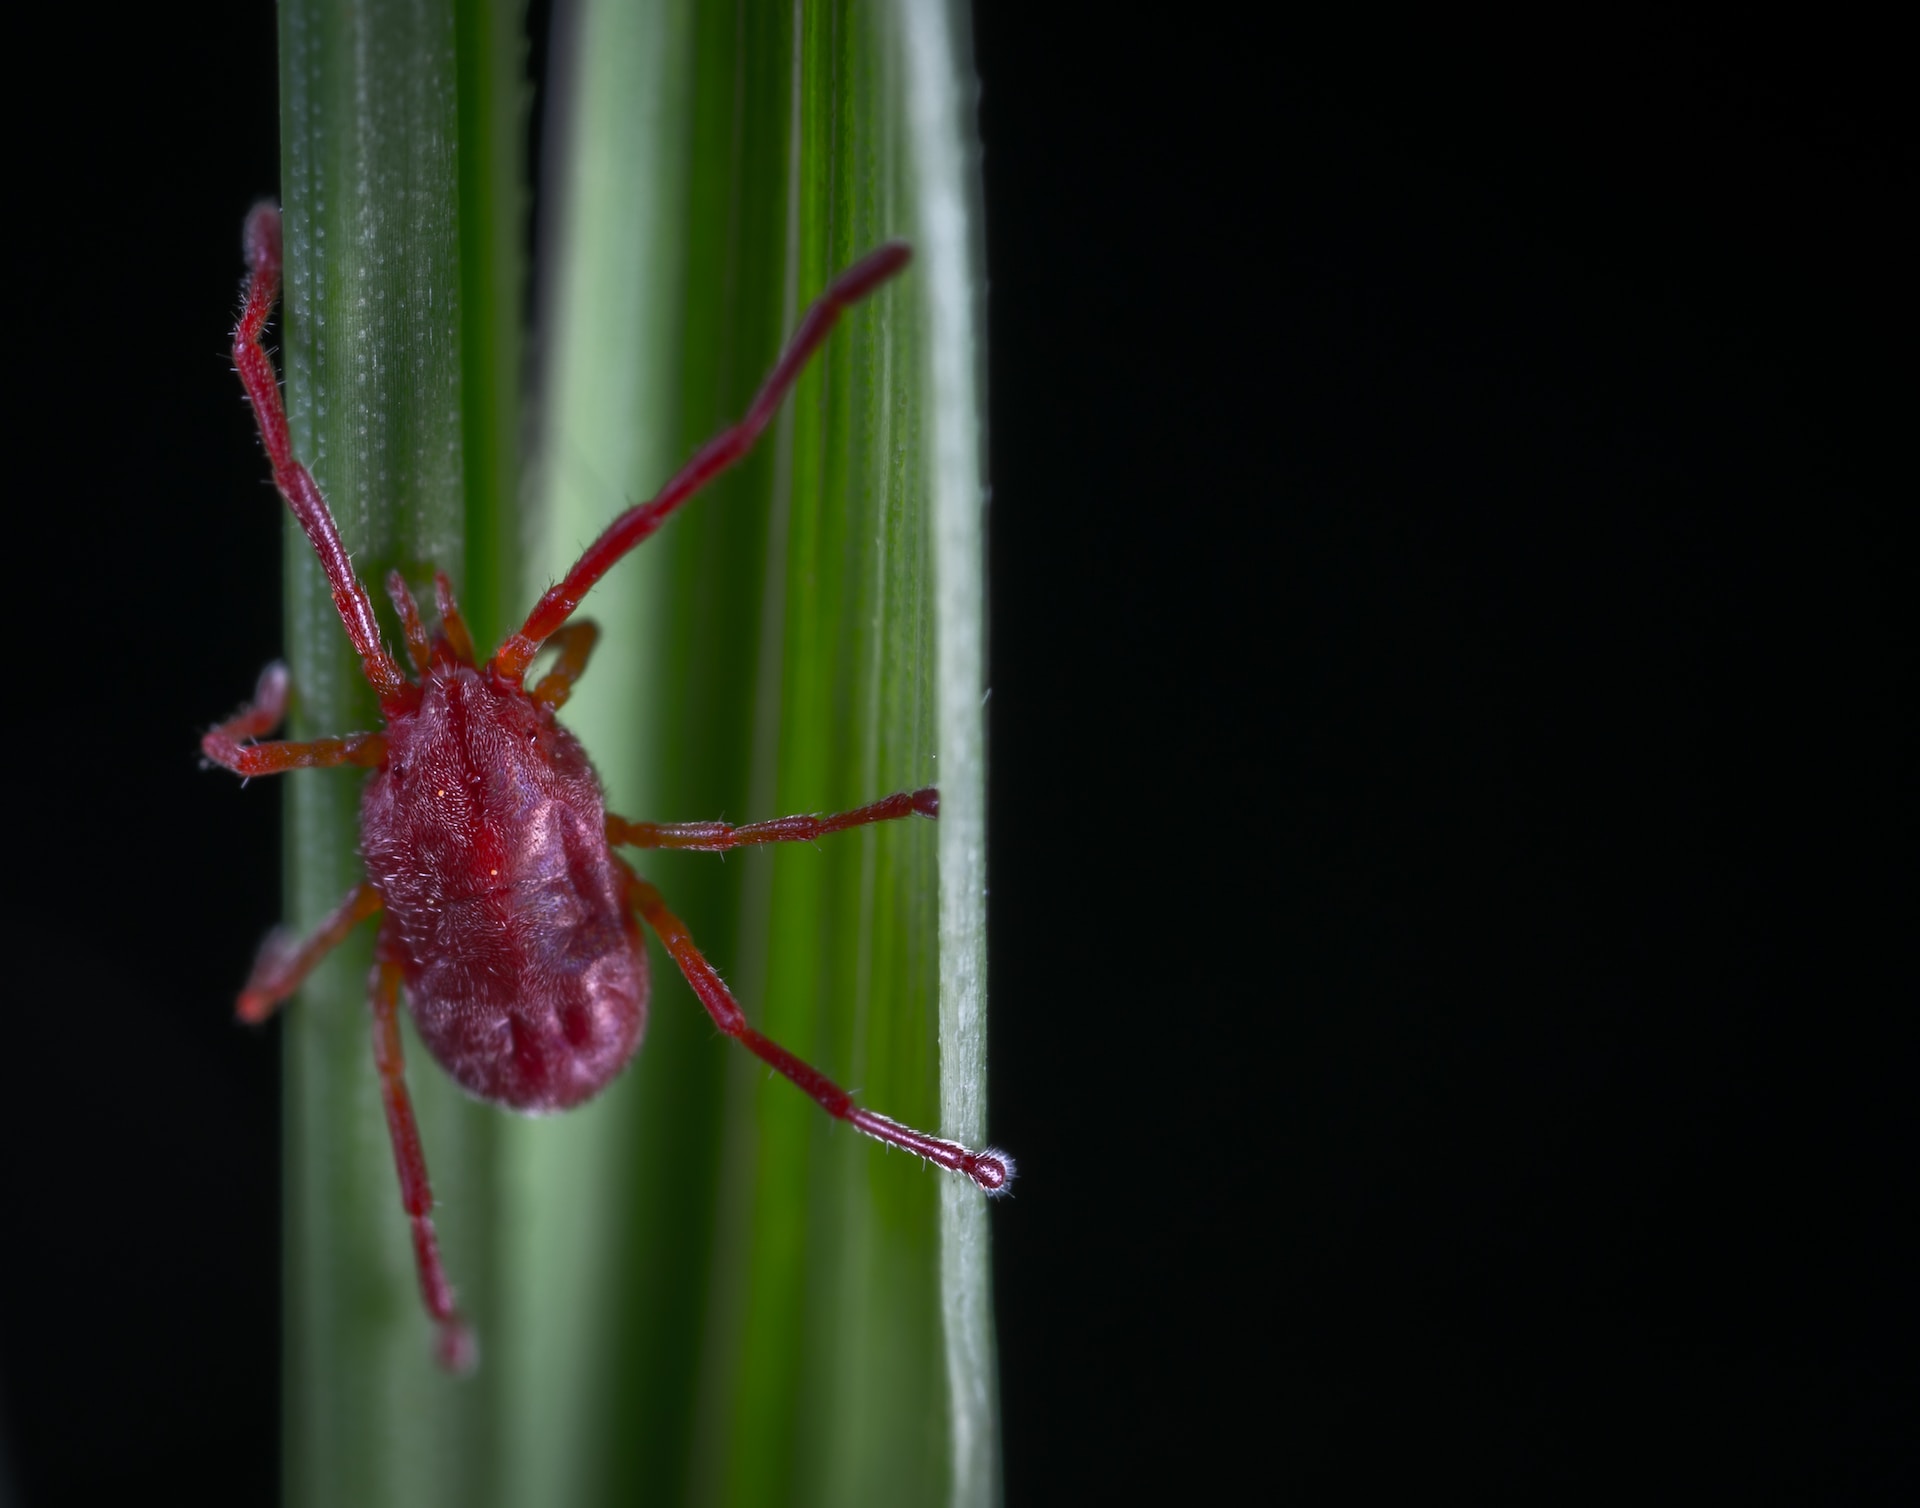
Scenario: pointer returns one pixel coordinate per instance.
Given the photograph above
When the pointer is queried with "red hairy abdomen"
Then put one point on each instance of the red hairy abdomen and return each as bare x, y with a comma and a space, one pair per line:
486, 837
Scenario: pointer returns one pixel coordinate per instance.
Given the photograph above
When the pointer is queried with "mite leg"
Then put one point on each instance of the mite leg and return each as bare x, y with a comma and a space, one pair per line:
455, 1349
451, 623
575, 642
419, 646
284, 964
296, 483
225, 746
626, 531
718, 837
263, 713
992, 1170
369, 750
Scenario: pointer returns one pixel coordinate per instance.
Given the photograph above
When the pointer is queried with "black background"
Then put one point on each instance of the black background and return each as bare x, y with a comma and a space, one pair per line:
1452, 832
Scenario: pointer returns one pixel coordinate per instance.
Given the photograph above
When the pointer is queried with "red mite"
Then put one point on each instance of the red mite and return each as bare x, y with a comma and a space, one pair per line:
505, 916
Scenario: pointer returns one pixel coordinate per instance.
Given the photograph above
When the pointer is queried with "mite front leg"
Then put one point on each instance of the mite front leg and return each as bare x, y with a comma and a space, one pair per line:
451, 623
229, 744
718, 837
992, 1170
513, 657
368, 750
283, 964
261, 715
419, 643
296, 483
575, 642
456, 1349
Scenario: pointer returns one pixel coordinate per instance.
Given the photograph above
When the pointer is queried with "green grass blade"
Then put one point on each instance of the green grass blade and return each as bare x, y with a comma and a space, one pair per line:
938, 69
495, 99
697, 1288
400, 337
611, 1251
721, 1296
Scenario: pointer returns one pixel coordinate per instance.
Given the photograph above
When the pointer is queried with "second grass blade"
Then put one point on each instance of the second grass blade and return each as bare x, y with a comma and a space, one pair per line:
743, 1300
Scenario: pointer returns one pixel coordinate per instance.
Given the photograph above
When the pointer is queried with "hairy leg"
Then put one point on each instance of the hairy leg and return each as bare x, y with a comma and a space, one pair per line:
456, 1349
229, 744
296, 483
575, 642
283, 963
264, 713
451, 623
419, 646
368, 750
992, 1170
723, 450
718, 837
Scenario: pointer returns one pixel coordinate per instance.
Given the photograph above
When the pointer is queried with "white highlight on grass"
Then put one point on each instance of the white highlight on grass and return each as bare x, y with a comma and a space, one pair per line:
946, 177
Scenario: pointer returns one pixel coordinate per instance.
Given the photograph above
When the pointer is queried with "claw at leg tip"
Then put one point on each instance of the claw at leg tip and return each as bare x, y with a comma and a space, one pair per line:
993, 1172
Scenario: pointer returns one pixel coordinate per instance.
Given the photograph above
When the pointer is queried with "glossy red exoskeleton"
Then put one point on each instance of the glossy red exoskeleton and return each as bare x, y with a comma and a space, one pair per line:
507, 921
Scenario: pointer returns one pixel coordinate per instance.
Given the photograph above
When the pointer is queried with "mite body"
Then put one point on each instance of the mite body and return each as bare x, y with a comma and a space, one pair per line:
485, 836
507, 922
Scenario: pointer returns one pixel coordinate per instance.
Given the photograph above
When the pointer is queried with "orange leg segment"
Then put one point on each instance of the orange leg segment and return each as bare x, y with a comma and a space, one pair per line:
451, 623
575, 642
419, 646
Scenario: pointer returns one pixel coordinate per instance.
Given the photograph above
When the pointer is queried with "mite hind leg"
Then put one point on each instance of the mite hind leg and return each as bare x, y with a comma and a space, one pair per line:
992, 1170
230, 744
284, 963
455, 1349
718, 837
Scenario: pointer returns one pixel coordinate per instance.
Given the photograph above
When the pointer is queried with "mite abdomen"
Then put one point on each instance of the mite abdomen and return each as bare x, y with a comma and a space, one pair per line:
534, 1021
